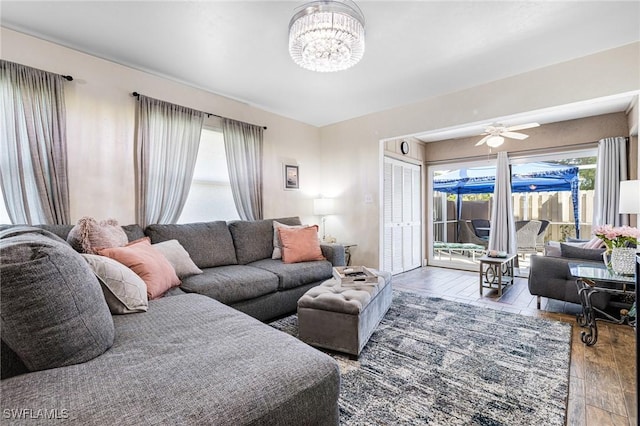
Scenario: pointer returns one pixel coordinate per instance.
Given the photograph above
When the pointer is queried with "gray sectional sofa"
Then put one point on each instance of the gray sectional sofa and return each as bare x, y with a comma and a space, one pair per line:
194, 357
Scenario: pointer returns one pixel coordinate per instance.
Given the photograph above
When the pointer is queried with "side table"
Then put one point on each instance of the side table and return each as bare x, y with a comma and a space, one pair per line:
591, 279
498, 272
347, 252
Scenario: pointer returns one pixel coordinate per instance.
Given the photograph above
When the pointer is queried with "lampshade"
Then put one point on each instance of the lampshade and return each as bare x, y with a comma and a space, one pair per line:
629, 197
495, 141
323, 206
327, 35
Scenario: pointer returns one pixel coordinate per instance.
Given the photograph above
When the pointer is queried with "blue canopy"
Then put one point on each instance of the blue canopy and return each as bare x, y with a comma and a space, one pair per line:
530, 177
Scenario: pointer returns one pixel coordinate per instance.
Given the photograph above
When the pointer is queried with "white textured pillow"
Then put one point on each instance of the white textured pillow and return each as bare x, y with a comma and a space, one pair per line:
178, 257
277, 244
124, 291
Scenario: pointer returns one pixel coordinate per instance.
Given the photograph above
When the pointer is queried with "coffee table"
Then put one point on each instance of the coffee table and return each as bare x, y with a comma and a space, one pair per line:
595, 278
496, 272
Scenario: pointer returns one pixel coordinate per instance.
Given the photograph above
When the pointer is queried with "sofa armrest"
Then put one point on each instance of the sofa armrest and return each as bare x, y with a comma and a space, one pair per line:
334, 253
550, 277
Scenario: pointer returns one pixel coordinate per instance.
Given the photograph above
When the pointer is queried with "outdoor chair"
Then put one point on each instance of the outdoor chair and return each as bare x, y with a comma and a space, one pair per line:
544, 224
466, 235
481, 223
526, 237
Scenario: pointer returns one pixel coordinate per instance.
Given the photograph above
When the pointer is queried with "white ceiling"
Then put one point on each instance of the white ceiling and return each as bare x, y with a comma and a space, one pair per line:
414, 50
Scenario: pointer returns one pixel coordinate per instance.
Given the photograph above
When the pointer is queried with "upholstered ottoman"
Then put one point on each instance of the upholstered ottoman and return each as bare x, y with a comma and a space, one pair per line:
343, 318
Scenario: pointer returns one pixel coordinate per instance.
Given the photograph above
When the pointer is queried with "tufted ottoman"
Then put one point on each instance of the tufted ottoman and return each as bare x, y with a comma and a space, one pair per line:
343, 318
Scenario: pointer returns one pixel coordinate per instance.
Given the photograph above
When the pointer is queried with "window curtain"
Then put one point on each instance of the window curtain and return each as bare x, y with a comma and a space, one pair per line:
502, 236
611, 168
243, 144
33, 145
166, 148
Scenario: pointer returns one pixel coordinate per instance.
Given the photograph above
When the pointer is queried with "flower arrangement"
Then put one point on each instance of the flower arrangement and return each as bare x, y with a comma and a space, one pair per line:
620, 236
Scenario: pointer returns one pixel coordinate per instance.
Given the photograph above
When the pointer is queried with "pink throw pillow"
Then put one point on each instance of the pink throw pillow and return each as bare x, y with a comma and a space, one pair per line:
300, 244
594, 243
150, 265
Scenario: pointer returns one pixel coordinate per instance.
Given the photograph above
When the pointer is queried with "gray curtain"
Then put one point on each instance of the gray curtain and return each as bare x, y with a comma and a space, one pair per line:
167, 142
611, 168
33, 145
243, 144
502, 236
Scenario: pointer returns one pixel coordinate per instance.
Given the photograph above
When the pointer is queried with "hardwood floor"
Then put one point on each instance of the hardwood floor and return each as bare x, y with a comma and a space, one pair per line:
602, 378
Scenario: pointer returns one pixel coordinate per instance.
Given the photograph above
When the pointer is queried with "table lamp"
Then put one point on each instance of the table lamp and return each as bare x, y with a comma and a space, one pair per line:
323, 207
629, 197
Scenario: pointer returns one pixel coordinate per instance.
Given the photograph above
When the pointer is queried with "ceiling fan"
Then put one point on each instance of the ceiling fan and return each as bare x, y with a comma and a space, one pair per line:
495, 133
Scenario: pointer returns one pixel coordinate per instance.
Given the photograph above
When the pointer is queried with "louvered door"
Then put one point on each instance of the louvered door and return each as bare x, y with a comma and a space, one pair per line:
402, 211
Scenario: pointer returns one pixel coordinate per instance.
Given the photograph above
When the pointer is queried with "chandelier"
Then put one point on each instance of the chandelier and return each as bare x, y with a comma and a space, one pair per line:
327, 35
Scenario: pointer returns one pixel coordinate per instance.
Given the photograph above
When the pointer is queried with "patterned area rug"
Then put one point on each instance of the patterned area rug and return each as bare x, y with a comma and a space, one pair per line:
433, 361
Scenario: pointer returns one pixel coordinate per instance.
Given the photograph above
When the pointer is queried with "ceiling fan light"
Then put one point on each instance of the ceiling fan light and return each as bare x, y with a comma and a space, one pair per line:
495, 141
327, 35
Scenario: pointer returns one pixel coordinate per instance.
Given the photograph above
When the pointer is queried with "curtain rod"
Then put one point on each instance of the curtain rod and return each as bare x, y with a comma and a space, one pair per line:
209, 114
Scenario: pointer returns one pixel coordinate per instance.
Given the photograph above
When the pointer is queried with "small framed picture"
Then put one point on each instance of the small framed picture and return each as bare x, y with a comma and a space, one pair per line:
291, 177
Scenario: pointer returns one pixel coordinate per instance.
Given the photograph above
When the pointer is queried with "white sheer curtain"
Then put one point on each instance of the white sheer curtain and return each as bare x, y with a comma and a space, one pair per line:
243, 144
33, 145
167, 141
611, 168
502, 236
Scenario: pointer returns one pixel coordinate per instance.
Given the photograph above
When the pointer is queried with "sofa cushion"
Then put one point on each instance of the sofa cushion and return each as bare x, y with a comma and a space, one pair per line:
291, 275
90, 236
253, 240
189, 361
133, 232
123, 289
208, 243
150, 265
580, 253
53, 310
300, 244
178, 258
232, 283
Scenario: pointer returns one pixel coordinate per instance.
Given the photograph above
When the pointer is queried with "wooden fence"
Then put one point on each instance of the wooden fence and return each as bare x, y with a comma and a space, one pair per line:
556, 207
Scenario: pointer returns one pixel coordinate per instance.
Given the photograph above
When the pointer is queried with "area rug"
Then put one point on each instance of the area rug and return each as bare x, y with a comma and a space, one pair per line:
434, 361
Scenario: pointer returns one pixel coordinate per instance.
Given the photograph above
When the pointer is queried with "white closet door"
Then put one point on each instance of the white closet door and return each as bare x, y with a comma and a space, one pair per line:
402, 237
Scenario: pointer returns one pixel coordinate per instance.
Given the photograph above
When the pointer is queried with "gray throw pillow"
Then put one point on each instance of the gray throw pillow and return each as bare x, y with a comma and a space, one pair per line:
573, 252
53, 310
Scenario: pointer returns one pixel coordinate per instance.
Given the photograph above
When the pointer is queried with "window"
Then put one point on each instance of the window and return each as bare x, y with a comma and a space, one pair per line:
210, 196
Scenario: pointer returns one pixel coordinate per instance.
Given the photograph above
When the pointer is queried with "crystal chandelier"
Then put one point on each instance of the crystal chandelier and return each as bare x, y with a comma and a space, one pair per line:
327, 35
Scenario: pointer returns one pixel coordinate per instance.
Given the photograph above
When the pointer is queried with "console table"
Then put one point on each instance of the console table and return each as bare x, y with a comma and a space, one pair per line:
595, 278
498, 272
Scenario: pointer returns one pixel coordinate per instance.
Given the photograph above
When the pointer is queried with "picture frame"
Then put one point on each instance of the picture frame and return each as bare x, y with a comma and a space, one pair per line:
291, 177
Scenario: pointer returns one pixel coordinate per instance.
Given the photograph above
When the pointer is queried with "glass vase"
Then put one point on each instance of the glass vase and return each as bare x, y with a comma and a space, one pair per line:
623, 260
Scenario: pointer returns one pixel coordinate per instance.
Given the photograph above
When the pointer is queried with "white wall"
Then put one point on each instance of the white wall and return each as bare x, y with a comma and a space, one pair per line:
352, 149
100, 131
100, 115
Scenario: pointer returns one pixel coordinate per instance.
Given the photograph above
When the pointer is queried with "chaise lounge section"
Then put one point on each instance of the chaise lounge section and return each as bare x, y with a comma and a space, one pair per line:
190, 359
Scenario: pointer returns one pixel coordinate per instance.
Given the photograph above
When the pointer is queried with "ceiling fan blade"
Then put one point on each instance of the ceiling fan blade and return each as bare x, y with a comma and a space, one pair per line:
483, 140
514, 135
523, 126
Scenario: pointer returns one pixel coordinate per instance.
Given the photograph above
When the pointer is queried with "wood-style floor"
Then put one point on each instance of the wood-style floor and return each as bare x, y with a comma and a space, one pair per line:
602, 382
